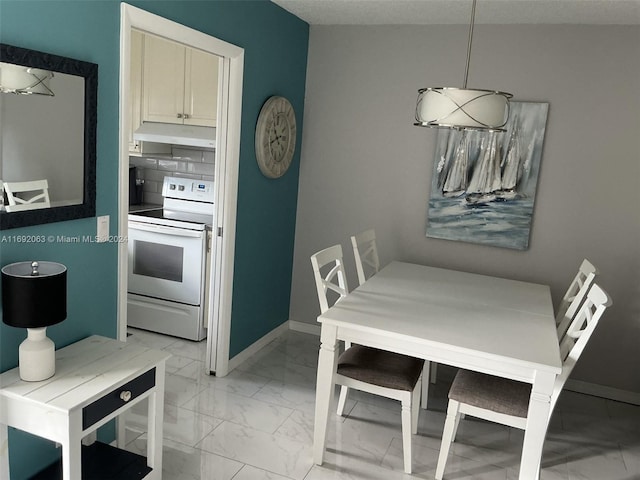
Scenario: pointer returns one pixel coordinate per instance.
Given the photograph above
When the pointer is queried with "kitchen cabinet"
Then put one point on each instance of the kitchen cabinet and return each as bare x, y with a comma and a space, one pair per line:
180, 84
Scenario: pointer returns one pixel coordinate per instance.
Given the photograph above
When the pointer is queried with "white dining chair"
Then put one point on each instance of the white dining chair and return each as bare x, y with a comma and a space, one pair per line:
368, 369
365, 252
586, 267
27, 195
506, 401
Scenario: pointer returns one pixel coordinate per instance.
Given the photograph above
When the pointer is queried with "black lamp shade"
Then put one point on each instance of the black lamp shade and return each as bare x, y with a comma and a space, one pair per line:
34, 301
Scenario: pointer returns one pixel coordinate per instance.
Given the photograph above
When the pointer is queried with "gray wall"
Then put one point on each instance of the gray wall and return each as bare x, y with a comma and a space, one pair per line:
365, 165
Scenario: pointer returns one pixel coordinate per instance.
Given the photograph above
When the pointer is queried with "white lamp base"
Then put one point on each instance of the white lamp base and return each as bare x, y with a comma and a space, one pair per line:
37, 356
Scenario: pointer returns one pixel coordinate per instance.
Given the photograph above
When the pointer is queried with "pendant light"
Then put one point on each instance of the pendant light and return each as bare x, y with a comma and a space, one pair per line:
463, 108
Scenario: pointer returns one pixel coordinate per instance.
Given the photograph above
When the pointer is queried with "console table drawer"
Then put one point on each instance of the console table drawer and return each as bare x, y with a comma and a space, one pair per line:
115, 399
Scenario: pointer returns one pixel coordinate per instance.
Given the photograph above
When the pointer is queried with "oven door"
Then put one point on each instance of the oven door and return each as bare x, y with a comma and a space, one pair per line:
166, 262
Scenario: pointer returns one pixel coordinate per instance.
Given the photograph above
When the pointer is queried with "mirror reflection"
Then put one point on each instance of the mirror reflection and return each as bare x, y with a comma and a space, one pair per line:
42, 138
48, 111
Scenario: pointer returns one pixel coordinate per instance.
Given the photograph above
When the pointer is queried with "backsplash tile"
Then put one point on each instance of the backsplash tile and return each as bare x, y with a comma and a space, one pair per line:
187, 154
201, 168
184, 162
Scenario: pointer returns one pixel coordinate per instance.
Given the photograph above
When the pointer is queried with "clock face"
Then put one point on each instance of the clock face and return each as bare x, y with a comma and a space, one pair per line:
275, 137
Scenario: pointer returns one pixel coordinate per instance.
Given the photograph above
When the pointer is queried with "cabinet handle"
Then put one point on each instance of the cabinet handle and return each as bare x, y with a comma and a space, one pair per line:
179, 115
125, 395
186, 115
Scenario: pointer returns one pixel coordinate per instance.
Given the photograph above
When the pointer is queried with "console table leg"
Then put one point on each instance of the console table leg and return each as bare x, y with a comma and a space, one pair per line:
72, 448
154, 423
4, 451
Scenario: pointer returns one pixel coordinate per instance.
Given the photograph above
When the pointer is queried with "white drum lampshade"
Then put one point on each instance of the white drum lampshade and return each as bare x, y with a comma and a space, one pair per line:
34, 296
462, 108
25, 80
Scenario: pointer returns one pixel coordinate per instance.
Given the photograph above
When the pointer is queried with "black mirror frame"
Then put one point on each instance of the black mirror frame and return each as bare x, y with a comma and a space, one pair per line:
89, 71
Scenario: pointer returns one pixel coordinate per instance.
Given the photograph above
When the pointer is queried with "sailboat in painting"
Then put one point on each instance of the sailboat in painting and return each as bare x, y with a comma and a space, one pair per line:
492, 177
512, 172
486, 179
455, 182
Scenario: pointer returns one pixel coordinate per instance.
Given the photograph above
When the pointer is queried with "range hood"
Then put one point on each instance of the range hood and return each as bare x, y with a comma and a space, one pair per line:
190, 135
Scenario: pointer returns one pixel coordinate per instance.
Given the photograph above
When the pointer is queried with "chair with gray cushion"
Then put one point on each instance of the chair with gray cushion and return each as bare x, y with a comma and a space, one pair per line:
365, 251
365, 368
506, 401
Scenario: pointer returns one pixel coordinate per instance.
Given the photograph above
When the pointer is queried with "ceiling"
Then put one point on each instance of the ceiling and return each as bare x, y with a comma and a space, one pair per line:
434, 12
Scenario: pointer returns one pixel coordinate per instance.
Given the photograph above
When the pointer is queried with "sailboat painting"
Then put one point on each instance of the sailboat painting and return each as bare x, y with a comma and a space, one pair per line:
484, 183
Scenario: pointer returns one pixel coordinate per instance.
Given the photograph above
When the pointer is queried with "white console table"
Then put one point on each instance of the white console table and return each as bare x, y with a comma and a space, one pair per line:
96, 380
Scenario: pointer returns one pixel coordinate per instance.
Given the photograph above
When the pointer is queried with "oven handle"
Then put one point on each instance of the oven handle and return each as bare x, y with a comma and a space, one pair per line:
178, 232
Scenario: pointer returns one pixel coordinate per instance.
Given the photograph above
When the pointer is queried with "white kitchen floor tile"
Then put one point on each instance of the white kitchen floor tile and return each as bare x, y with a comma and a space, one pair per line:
239, 382
257, 424
269, 452
187, 427
179, 390
239, 409
186, 348
252, 473
181, 462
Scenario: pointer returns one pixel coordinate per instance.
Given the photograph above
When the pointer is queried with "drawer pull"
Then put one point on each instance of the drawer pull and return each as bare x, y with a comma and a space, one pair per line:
125, 395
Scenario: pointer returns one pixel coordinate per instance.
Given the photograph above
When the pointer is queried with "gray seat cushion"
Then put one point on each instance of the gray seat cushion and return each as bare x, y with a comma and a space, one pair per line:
379, 367
491, 393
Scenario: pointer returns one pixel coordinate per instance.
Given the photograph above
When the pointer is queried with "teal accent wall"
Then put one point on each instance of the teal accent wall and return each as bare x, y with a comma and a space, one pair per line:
275, 44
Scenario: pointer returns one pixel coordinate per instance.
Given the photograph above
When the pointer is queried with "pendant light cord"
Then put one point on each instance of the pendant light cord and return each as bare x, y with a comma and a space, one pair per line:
466, 70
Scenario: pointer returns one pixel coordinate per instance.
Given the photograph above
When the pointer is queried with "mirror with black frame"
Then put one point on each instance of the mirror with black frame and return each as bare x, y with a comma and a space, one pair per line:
48, 114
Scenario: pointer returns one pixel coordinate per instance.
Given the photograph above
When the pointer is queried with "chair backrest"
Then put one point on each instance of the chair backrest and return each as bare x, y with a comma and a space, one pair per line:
578, 334
365, 252
27, 195
578, 282
333, 279
569, 313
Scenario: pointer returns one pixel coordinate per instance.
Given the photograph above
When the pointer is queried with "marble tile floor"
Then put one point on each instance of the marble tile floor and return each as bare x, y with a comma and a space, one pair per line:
257, 424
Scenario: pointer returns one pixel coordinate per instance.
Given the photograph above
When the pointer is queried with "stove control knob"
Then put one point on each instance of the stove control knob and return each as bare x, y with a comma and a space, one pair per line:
172, 186
181, 188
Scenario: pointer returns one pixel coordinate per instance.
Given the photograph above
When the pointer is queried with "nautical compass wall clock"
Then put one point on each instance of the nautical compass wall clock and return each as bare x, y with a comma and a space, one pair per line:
275, 136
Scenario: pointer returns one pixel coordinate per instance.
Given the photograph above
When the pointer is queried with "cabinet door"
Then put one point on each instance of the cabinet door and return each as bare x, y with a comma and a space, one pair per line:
163, 81
201, 88
135, 102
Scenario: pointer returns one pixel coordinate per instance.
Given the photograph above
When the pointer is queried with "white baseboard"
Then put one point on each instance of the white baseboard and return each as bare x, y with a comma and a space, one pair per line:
304, 327
257, 345
603, 391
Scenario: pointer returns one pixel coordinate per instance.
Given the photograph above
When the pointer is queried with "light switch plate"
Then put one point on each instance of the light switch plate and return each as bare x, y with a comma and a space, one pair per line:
103, 229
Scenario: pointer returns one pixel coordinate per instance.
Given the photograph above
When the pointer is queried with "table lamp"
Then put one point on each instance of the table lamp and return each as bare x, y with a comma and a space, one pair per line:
34, 296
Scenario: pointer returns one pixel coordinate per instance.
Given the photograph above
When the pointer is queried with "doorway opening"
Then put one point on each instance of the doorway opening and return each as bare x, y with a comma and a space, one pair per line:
227, 148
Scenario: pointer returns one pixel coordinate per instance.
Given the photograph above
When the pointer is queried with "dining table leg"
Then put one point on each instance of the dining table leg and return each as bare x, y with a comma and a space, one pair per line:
325, 391
537, 423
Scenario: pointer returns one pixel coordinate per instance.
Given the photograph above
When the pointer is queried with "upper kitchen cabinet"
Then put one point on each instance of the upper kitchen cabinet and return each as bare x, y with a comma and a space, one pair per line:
180, 84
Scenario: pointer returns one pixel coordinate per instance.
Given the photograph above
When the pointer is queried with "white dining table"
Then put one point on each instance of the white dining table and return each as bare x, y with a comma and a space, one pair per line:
493, 325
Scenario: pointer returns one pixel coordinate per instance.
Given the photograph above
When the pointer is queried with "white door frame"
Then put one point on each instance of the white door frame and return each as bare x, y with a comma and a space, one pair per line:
227, 165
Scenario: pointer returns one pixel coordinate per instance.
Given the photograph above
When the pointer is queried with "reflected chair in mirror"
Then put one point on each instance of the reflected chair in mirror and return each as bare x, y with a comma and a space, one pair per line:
368, 369
27, 195
506, 401
582, 278
365, 252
